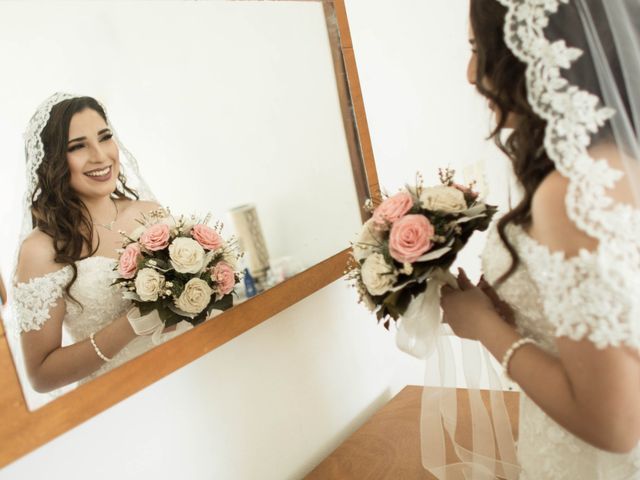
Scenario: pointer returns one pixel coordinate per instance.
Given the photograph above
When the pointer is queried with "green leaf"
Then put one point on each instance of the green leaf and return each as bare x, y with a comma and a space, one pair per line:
225, 303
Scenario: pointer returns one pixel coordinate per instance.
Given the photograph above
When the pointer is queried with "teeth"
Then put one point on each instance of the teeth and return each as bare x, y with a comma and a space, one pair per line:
99, 173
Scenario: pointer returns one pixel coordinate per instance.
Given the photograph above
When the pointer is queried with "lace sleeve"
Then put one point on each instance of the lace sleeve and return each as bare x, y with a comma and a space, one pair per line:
34, 299
592, 296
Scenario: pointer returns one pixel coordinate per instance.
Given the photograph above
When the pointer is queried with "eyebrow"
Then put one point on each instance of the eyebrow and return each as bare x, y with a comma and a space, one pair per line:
472, 40
104, 130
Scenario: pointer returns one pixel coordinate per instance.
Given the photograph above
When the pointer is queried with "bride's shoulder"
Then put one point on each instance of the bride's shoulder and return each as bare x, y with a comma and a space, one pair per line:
551, 225
36, 257
133, 208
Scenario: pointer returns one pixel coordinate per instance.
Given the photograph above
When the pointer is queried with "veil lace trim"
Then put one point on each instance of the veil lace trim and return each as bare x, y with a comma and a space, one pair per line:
572, 115
575, 288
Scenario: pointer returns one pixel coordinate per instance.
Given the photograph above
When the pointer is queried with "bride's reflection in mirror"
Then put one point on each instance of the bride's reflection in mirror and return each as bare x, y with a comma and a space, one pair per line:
79, 201
254, 134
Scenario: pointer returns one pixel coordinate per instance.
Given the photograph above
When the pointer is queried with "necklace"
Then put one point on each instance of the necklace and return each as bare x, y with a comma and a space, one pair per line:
109, 226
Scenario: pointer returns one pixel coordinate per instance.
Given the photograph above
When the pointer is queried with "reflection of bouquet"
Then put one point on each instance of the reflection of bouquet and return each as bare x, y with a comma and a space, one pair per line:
410, 243
178, 267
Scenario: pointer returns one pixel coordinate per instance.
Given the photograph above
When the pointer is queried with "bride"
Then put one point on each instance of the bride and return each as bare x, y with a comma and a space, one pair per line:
559, 304
77, 202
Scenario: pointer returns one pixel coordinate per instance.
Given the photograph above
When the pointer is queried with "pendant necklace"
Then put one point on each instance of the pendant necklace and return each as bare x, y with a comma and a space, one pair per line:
109, 226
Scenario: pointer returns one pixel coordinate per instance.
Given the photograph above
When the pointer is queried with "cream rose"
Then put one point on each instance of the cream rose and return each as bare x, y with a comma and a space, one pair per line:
195, 297
377, 275
367, 241
187, 255
444, 199
149, 284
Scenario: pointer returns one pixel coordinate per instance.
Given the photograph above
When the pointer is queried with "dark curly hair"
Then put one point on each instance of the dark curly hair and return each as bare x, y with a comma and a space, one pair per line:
56, 208
500, 77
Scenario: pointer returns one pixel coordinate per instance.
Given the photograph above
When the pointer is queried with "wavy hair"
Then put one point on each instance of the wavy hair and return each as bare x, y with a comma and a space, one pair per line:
56, 209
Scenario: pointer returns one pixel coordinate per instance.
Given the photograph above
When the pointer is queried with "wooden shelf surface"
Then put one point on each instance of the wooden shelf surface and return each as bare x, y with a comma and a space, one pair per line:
387, 446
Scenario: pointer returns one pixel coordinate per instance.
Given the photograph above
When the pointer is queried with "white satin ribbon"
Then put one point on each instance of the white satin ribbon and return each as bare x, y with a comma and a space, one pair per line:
419, 326
491, 452
149, 324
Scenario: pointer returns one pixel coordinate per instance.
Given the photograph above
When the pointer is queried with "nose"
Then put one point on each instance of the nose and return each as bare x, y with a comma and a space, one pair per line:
99, 154
472, 69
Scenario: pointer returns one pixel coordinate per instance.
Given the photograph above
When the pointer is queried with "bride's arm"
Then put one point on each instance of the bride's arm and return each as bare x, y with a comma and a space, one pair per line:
594, 393
48, 364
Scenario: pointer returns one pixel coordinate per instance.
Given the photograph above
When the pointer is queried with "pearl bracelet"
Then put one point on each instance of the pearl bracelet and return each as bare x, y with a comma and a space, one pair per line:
95, 347
512, 349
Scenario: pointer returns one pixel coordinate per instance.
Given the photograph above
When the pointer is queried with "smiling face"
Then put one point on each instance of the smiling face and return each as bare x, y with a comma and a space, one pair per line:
92, 155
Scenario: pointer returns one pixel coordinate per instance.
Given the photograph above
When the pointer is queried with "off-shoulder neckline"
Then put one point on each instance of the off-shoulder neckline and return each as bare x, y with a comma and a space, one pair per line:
66, 268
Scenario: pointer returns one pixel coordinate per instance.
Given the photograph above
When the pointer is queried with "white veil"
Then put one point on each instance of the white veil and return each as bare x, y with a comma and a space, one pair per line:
34, 153
583, 79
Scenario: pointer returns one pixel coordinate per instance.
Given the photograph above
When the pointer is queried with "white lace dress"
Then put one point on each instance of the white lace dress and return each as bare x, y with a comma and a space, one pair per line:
101, 304
551, 295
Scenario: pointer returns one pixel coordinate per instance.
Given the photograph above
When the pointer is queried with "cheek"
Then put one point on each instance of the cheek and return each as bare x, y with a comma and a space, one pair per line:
114, 155
75, 161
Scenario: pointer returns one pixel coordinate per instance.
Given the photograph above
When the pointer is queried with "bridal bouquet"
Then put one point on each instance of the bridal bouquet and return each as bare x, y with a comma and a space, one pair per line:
403, 255
176, 268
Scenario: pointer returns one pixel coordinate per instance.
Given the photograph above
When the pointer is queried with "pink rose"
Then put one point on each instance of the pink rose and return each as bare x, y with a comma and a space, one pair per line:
224, 277
410, 238
206, 236
156, 237
392, 209
128, 265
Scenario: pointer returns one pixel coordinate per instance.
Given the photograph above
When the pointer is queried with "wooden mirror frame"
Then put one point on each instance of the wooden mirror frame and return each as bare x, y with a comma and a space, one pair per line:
22, 431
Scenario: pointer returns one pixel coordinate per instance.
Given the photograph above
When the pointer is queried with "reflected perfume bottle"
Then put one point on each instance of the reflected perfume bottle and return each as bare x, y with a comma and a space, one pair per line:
249, 284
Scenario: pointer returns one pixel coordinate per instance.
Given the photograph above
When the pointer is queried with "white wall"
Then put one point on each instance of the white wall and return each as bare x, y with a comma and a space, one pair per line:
275, 401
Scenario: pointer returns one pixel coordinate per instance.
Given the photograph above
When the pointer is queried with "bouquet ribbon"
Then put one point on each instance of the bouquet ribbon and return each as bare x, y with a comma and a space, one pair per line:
420, 324
149, 324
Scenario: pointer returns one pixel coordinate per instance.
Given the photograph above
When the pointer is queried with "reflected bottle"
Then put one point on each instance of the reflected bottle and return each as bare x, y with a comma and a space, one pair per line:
249, 284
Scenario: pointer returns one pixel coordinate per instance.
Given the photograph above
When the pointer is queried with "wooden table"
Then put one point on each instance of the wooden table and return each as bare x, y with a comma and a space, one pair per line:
387, 446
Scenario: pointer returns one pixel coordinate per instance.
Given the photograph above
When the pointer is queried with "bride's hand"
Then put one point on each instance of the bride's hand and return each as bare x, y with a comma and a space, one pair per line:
469, 311
502, 307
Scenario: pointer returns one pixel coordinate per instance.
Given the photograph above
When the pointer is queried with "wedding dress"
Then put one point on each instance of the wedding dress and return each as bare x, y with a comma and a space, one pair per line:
545, 449
100, 304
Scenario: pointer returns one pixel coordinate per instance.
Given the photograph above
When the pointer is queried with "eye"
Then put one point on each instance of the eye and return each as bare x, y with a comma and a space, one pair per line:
75, 147
107, 137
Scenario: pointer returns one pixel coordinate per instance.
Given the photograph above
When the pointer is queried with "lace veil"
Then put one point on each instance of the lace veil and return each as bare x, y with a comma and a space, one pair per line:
583, 79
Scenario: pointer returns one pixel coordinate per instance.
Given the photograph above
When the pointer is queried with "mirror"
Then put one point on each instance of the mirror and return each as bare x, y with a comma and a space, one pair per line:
227, 106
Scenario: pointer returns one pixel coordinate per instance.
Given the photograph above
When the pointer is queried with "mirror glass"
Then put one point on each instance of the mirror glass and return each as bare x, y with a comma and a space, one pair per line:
230, 108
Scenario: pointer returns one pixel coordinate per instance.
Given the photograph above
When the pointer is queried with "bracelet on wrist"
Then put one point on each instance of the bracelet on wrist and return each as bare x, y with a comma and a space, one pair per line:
511, 350
97, 350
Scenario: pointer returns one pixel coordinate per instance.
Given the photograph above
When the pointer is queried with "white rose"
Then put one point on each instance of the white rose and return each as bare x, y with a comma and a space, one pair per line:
195, 297
187, 256
444, 199
149, 284
367, 242
377, 275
